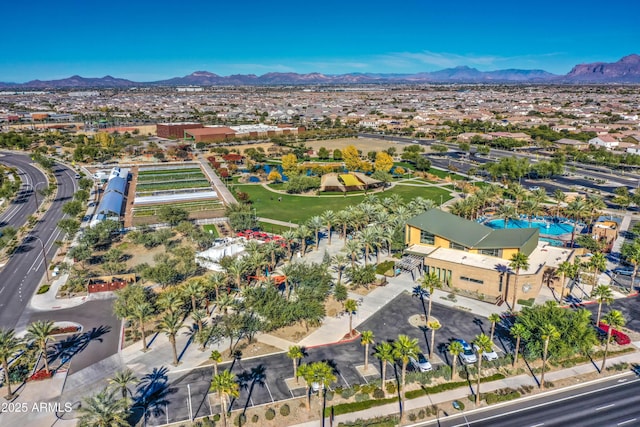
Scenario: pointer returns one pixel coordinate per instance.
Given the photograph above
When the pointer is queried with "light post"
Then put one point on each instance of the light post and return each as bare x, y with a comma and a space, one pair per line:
44, 256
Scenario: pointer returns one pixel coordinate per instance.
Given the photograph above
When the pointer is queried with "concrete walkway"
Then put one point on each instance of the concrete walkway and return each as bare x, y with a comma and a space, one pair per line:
223, 191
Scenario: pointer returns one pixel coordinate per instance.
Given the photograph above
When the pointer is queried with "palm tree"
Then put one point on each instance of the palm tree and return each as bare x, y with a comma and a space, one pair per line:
433, 325
121, 380
289, 237
103, 410
494, 318
193, 290
329, 217
236, 268
40, 332
420, 292
319, 373
353, 248
549, 332
455, 349
200, 316
576, 210
142, 313
482, 343
171, 300
518, 261
507, 212
531, 208
368, 237
217, 280
226, 386
560, 197
384, 353
598, 263
366, 339
340, 262
404, 348
603, 295
631, 252
216, 358
171, 324
9, 346
303, 234
295, 353
315, 223
615, 320
519, 331
350, 306
564, 269
431, 281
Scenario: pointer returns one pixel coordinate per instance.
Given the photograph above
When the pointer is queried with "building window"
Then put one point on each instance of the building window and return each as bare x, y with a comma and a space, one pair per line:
427, 238
457, 246
490, 252
472, 280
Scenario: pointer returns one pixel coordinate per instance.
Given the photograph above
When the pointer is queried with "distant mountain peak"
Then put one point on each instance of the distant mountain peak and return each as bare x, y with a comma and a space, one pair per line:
625, 70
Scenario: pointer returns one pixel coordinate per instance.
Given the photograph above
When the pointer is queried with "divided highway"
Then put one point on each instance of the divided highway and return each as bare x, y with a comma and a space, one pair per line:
23, 272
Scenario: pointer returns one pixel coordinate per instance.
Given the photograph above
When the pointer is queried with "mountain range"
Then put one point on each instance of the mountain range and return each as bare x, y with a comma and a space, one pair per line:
626, 70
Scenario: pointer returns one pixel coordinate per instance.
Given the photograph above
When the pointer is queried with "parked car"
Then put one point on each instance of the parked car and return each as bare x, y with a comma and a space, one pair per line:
534, 188
467, 356
620, 337
487, 355
420, 363
623, 271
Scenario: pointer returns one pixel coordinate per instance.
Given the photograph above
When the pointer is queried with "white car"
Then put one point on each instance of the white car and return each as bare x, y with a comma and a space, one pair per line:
487, 355
467, 356
421, 363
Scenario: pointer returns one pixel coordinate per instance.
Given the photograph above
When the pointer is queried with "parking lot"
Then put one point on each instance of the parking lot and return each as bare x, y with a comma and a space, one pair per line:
262, 379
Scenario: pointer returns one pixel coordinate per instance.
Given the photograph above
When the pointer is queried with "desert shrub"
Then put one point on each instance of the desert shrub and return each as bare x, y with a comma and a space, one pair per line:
270, 414
391, 387
43, 289
240, 420
255, 418
412, 417
368, 389
378, 393
216, 417
421, 414
347, 393
361, 397
329, 395
285, 410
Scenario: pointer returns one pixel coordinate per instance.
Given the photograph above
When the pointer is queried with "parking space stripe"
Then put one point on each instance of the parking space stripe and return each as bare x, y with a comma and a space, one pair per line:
345, 381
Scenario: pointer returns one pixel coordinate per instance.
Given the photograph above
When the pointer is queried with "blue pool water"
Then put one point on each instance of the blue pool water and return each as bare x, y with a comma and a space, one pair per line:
547, 228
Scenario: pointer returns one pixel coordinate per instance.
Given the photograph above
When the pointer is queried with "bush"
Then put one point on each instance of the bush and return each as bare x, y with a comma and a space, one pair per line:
43, 289
255, 418
240, 420
383, 267
368, 389
285, 410
421, 414
361, 397
270, 414
378, 393
412, 417
347, 393
447, 386
391, 387
329, 395
216, 417
345, 408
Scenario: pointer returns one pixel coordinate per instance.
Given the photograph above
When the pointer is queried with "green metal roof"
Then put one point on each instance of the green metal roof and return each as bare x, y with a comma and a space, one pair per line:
451, 227
473, 235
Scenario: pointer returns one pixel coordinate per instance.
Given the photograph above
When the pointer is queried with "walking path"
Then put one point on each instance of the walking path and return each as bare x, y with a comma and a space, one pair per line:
223, 191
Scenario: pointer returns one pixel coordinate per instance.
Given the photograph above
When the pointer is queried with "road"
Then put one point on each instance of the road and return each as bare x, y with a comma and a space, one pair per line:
25, 269
609, 403
25, 204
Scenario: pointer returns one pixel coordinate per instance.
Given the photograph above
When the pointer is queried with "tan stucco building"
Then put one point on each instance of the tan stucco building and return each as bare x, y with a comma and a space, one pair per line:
469, 256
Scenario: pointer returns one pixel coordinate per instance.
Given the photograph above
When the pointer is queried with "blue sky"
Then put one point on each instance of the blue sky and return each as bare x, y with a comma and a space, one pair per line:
143, 40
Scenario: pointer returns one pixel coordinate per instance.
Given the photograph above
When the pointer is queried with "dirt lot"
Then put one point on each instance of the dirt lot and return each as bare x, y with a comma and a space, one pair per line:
364, 144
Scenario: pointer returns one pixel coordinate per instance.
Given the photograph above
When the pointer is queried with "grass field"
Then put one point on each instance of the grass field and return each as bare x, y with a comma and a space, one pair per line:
195, 206
211, 228
298, 209
272, 228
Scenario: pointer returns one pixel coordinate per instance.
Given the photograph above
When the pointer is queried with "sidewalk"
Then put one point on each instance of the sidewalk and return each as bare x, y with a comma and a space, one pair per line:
464, 392
223, 191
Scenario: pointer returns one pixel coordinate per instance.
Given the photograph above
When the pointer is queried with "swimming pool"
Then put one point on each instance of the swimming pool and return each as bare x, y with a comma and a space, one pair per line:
547, 228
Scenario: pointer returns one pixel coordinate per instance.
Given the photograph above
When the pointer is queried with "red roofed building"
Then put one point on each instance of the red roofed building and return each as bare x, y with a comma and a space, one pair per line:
175, 130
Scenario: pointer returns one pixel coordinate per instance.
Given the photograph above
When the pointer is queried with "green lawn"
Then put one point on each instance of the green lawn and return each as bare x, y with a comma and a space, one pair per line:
298, 209
272, 228
443, 174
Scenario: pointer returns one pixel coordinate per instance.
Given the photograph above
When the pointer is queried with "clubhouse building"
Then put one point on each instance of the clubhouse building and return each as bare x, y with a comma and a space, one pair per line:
473, 258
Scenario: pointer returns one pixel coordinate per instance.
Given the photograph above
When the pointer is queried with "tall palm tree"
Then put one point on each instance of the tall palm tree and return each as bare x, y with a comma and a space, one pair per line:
40, 332
615, 320
549, 332
350, 306
404, 348
507, 212
560, 197
520, 332
103, 410
564, 269
519, 261
539, 195
576, 209
366, 339
236, 268
494, 318
226, 386
216, 358
142, 313
482, 344
455, 349
199, 316
303, 233
369, 239
295, 353
631, 252
598, 262
433, 325
217, 280
595, 204
329, 217
171, 300
315, 223
431, 281
531, 208
193, 290
603, 295
289, 237
340, 262
384, 353
353, 248
171, 324
121, 380
9, 346
320, 373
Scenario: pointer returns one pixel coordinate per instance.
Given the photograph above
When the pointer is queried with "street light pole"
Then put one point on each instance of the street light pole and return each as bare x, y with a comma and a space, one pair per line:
44, 256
